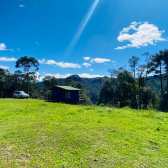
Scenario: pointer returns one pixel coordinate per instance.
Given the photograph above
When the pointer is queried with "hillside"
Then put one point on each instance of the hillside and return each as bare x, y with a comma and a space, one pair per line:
39, 134
154, 83
91, 86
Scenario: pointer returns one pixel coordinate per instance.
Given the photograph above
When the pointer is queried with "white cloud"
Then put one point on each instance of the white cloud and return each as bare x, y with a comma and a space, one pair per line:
41, 61
51, 62
3, 47
37, 43
68, 65
21, 6
100, 60
59, 75
7, 59
18, 49
84, 75
91, 69
144, 35
63, 64
4, 67
86, 58
86, 64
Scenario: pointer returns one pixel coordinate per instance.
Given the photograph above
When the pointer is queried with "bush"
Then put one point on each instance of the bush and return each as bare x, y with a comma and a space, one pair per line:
102, 105
48, 95
164, 103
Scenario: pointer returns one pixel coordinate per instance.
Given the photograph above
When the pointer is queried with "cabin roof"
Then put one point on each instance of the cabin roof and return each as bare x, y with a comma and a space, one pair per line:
65, 88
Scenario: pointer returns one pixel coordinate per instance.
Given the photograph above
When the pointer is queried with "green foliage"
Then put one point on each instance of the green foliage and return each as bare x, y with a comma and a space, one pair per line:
102, 105
35, 133
49, 81
9, 83
133, 62
27, 64
48, 95
119, 91
164, 103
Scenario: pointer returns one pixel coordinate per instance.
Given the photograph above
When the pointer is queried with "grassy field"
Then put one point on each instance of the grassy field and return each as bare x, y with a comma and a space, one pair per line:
37, 134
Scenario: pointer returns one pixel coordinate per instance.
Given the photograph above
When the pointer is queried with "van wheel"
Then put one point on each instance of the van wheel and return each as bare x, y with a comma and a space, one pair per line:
14, 97
21, 97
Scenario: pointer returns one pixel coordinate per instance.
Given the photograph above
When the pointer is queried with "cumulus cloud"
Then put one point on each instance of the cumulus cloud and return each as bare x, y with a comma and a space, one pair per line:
86, 64
99, 60
63, 64
3, 47
21, 6
41, 61
145, 34
86, 58
84, 75
37, 43
91, 69
7, 59
4, 67
18, 49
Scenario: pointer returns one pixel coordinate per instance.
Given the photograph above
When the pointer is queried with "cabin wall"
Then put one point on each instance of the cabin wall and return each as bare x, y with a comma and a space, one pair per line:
74, 96
59, 95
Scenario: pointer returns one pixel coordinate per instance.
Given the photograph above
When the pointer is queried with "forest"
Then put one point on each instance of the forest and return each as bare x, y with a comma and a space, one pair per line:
137, 86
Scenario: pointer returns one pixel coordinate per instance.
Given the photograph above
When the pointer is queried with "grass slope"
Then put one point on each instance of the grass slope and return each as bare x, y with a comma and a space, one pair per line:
39, 134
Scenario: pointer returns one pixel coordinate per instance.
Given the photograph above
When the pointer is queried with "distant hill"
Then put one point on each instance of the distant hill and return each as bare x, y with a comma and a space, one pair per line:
92, 86
154, 84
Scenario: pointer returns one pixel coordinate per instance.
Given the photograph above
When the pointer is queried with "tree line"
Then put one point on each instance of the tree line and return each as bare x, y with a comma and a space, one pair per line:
128, 87
123, 88
27, 79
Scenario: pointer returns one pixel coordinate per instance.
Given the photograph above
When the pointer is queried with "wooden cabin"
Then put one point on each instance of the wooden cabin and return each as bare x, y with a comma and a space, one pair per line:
65, 94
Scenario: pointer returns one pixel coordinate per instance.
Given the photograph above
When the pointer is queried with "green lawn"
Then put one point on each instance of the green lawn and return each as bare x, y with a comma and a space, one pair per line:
37, 134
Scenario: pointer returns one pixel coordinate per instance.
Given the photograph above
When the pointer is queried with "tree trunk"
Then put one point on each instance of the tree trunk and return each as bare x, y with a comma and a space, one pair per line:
167, 81
139, 92
45, 92
161, 82
27, 82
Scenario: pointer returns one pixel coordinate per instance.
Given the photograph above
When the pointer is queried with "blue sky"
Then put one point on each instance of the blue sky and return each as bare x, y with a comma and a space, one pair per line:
84, 37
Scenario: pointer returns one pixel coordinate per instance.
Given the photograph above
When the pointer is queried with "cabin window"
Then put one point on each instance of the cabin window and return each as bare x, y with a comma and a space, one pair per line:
68, 95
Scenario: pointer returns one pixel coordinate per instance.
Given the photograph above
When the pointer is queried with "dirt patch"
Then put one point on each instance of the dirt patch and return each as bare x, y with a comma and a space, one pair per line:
23, 159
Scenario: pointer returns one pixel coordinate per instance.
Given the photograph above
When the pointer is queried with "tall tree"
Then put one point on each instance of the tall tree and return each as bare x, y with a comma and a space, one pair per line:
27, 64
133, 62
49, 81
148, 63
2, 82
141, 82
112, 72
126, 88
165, 58
158, 63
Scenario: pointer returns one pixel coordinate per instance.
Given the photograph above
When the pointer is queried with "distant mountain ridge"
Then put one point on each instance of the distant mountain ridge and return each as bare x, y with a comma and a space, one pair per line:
92, 86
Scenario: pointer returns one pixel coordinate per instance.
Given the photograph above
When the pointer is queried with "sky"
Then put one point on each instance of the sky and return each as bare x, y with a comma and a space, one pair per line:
83, 37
